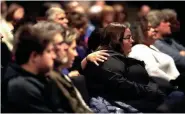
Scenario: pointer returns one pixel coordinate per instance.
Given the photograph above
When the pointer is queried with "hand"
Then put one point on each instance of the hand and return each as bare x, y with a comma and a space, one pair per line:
100, 56
182, 53
73, 73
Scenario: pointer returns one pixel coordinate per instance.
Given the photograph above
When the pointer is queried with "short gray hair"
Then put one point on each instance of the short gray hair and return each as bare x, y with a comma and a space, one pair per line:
52, 12
155, 17
169, 14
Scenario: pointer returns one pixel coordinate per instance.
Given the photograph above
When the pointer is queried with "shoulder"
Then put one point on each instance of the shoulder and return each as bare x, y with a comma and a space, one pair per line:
159, 43
22, 86
139, 47
114, 63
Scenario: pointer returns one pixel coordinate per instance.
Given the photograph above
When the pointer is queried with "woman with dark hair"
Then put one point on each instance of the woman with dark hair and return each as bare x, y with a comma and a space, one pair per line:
121, 78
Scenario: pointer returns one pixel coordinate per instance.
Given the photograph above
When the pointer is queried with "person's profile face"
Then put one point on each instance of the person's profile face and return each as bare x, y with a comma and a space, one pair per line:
19, 14
127, 41
60, 49
61, 19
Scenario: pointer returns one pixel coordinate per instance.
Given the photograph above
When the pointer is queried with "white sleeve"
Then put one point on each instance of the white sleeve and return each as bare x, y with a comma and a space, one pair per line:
144, 54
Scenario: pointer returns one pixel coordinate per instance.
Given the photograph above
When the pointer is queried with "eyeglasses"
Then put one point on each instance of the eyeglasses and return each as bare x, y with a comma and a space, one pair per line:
129, 37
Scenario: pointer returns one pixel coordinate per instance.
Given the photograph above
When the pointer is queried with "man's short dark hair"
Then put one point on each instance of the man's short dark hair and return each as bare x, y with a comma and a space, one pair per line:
28, 40
77, 20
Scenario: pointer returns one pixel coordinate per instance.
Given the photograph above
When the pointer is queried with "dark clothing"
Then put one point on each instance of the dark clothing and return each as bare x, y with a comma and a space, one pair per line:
29, 93
25, 92
101, 105
70, 99
172, 48
80, 84
124, 79
180, 82
5, 58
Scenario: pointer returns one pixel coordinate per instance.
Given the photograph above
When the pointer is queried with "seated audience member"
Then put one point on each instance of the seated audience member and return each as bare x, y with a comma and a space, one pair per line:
57, 15
160, 66
25, 84
165, 44
89, 28
171, 16
79, 22
124, 79
94, 15
120, 13
115, 79
107, 16
14, 14
64, 45
70, 6
144, 10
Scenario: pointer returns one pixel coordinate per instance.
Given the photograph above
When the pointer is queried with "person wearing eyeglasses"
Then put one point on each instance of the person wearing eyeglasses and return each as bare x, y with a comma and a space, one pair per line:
121, 78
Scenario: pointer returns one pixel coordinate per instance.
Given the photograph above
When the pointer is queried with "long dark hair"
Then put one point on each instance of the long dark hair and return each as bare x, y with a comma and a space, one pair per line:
139, 30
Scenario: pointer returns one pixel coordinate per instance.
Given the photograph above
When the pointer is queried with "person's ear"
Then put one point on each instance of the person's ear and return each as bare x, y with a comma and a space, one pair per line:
34, 57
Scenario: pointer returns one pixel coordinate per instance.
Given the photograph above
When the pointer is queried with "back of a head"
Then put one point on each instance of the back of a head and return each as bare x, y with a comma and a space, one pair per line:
112, 36
77, 20
49, 26
28, 40
154, 17
94, 39
94, 15
52, 12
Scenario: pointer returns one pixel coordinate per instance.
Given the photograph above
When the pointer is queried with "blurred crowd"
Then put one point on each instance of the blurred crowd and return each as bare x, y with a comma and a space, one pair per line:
79, 59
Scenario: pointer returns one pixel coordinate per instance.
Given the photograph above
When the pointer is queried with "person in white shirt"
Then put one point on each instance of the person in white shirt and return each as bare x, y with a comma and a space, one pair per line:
160, 66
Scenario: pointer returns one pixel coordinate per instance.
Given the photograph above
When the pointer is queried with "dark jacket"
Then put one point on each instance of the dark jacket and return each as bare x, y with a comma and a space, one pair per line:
170, 47
70, 98
28, 93
121, 78
5, 58
25, 92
